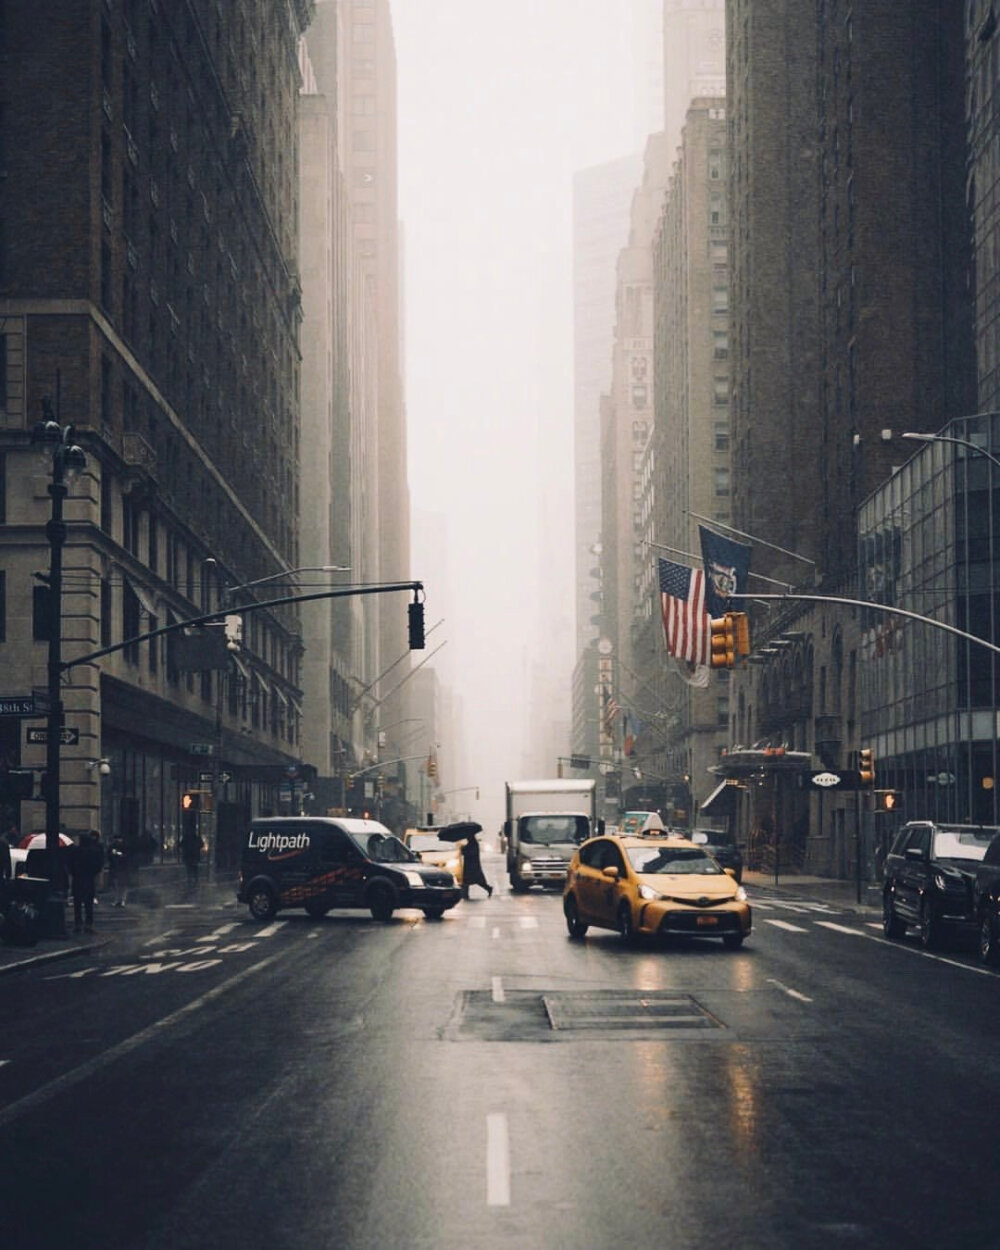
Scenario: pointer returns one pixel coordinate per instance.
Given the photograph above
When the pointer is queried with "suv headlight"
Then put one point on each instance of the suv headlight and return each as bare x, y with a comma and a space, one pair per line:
647, 893
413, 878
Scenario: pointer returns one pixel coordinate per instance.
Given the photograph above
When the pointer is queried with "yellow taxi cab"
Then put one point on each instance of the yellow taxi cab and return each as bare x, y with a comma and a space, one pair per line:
653, 886
425, 842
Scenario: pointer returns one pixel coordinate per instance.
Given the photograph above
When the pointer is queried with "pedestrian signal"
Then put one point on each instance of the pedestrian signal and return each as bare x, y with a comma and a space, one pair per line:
190, 801
888, 800
866, 767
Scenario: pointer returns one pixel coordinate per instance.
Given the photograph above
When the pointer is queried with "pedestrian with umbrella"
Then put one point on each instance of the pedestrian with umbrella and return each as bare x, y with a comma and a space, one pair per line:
465, 831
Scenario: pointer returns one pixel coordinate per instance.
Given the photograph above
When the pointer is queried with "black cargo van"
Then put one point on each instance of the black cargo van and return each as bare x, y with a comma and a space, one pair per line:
320, 862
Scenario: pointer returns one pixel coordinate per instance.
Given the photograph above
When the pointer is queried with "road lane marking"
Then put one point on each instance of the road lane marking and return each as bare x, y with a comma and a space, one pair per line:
841, 928
498, 995
158, 941
220, 932
496, 931
529, 922
477, 922
803, 998
271, 929
497, 1160
75, 1075
3, 1061
784, 924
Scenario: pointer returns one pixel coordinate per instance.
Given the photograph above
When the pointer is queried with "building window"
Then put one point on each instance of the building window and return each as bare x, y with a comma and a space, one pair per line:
722, 436
720, 480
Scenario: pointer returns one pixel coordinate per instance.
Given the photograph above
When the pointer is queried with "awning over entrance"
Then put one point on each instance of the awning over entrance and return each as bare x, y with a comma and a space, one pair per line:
721, 802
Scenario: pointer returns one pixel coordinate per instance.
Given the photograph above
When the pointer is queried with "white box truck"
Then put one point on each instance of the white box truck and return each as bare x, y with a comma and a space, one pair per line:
544, 823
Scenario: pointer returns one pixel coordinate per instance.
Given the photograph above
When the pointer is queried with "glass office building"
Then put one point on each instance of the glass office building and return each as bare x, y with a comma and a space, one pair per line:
929, 697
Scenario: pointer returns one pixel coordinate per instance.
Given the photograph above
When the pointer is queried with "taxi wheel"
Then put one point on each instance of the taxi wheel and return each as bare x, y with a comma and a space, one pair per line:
433, 913
625, 926
262, 903
380, 902
733, 941
577, 928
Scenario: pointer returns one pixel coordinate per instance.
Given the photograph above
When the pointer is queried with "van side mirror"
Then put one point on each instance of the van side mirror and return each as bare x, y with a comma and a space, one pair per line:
611, 872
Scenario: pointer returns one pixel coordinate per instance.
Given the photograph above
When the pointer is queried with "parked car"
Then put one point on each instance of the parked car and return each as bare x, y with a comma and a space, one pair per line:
653, 886
722, 847
319, 863
929, 875
986, 903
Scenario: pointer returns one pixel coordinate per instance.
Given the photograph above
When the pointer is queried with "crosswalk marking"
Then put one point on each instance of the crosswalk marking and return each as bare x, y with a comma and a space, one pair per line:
784, 924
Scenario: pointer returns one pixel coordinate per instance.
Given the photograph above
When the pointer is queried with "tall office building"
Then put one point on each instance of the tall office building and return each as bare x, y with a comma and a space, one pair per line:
148, 287
694, 59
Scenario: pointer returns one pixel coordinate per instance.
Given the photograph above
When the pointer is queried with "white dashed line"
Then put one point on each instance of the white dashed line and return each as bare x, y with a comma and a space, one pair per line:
841, 928
784, 924
271, 929
498, 995
529, 922
803, 998
477, 922
497, 1160
496, 931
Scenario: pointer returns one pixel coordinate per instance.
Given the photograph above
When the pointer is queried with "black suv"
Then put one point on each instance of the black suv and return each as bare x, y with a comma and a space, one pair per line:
319, 863
928, 878
722, 847
986, 903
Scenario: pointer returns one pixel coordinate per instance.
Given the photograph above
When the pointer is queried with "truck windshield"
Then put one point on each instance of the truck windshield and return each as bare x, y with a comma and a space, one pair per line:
546, 829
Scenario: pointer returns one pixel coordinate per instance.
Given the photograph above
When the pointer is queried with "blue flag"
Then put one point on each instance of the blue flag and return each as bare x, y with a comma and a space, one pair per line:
727, 565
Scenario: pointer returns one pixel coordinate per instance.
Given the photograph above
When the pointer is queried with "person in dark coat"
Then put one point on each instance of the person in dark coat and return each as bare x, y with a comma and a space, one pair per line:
86, 860
118, 870
5, 864
192, 845
472, 867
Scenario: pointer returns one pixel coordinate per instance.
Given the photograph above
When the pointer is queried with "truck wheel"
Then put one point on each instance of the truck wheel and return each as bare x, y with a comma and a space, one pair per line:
262, 903
381, 902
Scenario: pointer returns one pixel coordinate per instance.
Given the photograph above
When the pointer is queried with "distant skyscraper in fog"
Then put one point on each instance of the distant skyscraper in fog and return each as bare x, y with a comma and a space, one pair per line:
694, 58
602, 197
647, 69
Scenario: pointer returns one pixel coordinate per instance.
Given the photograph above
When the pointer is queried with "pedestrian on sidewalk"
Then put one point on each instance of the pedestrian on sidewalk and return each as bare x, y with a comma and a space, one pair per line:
192, 845
472, 867
86, 860
5, 864
118, 870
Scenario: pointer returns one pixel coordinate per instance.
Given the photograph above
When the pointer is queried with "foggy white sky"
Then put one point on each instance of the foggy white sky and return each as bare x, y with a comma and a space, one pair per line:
498, 105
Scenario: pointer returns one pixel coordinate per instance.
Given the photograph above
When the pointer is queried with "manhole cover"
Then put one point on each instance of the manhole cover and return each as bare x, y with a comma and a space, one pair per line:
626, 1009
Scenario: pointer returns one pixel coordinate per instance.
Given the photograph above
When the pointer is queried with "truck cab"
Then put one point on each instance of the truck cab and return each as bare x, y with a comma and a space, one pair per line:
545, 823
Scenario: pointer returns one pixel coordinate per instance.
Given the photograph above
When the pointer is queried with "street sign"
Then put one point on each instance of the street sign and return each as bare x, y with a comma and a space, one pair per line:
831, 779
40, 736
18, 705
206, 777
202, 748
224, 778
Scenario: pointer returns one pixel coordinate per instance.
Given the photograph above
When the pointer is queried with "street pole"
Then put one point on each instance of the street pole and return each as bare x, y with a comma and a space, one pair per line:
67, 458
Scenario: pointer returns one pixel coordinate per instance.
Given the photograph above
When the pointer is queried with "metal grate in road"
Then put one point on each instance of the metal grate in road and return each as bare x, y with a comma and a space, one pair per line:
626, 1010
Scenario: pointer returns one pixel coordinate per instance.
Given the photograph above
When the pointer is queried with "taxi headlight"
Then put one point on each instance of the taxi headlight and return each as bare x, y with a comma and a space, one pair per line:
741, 895
413, 878
648, 893
452, 865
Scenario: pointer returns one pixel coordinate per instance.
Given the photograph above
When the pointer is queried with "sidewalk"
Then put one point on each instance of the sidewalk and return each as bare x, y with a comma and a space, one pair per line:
158, 894
819, 889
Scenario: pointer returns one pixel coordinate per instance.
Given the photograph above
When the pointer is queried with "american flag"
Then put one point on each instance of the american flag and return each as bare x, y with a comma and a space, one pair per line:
686, 627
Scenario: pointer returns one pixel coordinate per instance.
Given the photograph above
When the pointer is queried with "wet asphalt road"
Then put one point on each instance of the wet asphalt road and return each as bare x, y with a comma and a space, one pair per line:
485, 1082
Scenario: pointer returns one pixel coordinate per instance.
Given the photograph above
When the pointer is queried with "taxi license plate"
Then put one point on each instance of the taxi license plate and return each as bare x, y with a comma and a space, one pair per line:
708, 920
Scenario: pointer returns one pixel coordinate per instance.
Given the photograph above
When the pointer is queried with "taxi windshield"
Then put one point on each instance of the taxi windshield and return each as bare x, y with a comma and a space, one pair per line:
428, 842
548, 829
671, 859
383, 848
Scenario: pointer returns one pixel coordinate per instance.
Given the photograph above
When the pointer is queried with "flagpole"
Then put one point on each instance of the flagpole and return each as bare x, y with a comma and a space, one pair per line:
763, 542
689, 555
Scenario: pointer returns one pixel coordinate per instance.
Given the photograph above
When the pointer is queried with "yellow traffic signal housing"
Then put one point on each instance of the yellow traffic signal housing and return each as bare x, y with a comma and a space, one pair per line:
722, 649
730, 639
866, 767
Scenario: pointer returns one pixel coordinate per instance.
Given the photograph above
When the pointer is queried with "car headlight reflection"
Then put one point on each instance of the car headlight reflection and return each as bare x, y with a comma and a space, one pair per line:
647, 893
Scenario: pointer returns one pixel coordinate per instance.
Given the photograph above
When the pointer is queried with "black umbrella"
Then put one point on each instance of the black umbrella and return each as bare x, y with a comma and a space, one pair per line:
459, 831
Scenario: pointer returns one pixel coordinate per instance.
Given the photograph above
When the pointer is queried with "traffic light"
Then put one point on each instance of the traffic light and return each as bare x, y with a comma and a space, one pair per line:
190, 807
416, 622
723, 642
866, 767
730, 639
888, 800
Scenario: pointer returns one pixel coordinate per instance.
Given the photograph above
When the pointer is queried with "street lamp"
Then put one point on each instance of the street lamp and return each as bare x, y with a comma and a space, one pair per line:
68, 461
285, 573
951, 438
